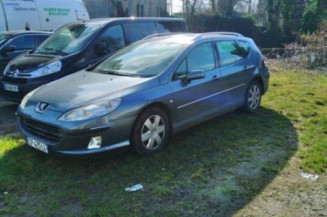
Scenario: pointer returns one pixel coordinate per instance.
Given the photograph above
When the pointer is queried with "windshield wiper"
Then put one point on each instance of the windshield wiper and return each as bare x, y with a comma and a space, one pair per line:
116, 73
55, 51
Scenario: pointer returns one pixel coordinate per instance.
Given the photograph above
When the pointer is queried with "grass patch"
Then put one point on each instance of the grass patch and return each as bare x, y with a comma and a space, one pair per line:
213, 169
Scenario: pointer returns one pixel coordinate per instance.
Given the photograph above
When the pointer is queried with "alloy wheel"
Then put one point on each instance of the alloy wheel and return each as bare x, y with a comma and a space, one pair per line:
153, 132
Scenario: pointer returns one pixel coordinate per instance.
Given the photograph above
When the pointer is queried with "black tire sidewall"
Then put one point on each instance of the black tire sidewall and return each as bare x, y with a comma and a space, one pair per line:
137, 130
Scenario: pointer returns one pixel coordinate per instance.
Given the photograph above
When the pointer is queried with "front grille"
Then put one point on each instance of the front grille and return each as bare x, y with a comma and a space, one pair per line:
41, 130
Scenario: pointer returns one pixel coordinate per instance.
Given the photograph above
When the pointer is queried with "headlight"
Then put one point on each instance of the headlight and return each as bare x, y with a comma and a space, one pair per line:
91, 111
25, 99
48, 69
5, 72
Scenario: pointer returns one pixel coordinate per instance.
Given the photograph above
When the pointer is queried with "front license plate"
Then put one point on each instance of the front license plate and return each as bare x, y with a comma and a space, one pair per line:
38, 145
10, 87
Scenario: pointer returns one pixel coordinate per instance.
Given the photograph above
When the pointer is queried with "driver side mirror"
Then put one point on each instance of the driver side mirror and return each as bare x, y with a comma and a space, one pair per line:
194, 75
8, 49
101, 48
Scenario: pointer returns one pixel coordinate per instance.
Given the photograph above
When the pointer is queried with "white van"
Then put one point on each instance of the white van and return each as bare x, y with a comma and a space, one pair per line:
46, 15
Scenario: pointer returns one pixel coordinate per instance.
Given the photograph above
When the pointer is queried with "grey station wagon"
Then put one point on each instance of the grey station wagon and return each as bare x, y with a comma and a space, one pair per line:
144, 92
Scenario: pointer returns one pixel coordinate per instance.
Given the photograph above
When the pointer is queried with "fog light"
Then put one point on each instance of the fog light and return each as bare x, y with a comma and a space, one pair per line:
95, 142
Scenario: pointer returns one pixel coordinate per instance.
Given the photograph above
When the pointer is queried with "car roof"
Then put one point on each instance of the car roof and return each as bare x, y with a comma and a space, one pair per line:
196, 37
104, 21
21, 32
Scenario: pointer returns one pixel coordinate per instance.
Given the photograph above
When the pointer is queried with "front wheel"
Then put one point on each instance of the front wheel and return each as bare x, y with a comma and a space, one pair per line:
253, 97
150, 131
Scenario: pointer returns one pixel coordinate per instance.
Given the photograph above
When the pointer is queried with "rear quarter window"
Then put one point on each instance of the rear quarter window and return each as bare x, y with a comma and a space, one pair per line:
229, 52
245, 46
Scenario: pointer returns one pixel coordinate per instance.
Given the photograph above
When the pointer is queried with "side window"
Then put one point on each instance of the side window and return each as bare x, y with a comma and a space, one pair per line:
229, 52
171, 26
25, 42
113, 38
200, 58
139, 30
38, 39
181, 71
245, 46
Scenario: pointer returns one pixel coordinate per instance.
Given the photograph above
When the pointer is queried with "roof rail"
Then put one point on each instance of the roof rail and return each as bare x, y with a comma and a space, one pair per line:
156, 35
231, 34
220, 33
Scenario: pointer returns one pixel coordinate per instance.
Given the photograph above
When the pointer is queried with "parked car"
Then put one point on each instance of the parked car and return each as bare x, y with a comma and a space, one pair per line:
13, 44
77, 46
46, 15
144, 92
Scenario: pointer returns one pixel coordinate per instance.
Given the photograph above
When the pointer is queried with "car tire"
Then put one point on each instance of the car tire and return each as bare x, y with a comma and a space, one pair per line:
150, 131
252, 97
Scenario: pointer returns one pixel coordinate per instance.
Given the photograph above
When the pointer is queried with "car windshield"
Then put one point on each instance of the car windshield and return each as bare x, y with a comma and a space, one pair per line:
68, 40
3, 37
142, 59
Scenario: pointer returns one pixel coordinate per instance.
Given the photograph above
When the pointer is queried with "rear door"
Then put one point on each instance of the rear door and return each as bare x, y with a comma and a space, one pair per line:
2, 18
199, 97
22, 15
233, 67
56, 13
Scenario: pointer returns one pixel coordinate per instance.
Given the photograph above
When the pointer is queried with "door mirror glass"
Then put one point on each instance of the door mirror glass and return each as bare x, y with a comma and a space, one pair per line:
194, 75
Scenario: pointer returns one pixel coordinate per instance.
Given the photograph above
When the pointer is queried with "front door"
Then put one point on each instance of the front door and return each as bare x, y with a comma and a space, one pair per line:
200, 97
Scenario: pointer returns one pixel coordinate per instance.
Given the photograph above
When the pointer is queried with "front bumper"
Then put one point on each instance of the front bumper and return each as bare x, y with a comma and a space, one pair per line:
24, 86
74, 139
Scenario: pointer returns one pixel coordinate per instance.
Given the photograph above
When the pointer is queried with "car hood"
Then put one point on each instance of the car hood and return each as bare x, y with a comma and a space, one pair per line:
83, 88
29, 62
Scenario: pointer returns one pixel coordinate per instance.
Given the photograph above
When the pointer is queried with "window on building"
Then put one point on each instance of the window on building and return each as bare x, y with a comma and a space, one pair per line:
142, 10
138, 10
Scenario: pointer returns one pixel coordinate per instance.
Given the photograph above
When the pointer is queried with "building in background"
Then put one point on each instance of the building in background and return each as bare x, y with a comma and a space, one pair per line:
126, 8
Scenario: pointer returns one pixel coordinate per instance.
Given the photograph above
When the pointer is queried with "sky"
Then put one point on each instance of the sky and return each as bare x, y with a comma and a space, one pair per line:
177, 6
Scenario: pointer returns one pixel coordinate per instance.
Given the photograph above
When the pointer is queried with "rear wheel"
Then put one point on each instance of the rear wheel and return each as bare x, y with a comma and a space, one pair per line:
253, 97
150, 131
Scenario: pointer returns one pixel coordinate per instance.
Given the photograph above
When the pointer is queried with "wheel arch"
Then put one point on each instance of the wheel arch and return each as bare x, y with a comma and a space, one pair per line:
159, 105
260, 81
